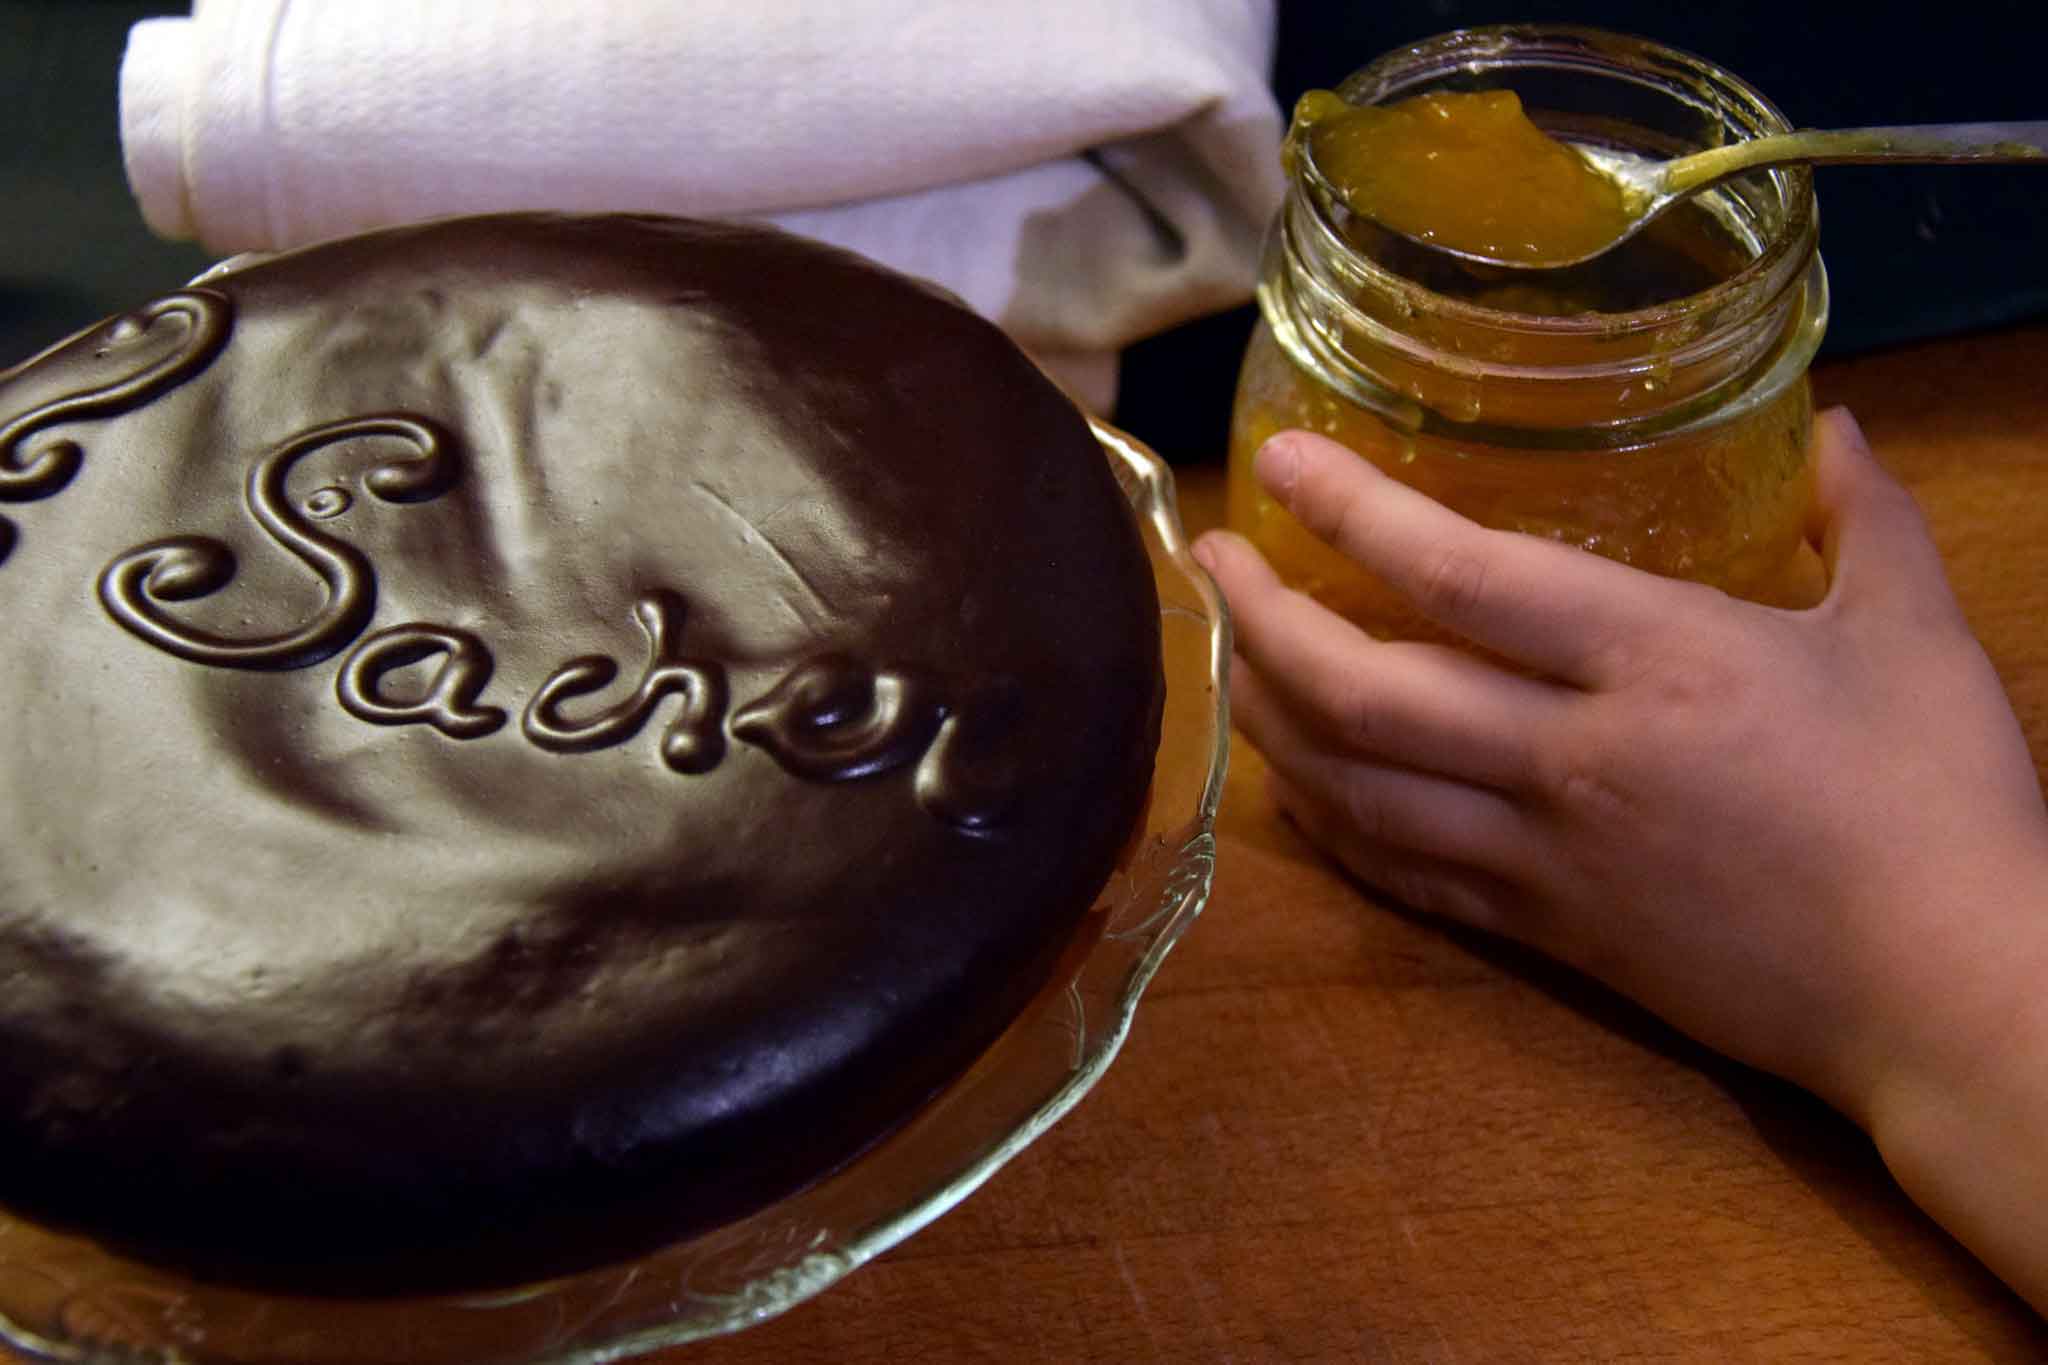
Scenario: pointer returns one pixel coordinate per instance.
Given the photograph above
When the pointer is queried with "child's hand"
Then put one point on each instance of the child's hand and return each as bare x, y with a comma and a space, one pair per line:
1814, 840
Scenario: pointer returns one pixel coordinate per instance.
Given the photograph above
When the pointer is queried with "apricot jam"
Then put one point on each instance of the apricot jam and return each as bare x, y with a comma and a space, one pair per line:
1649, 405
1465, 171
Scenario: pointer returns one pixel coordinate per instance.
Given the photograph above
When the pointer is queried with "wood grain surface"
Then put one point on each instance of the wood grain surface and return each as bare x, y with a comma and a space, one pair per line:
1339, 1134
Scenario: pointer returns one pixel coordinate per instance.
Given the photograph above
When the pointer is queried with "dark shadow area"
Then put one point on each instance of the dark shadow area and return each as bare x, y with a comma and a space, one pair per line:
73, 247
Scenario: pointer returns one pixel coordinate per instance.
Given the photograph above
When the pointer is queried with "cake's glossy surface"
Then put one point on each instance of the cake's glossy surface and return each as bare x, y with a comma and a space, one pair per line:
530, 736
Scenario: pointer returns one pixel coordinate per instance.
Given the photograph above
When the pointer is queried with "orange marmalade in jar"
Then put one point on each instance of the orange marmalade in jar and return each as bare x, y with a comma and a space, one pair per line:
1650, 405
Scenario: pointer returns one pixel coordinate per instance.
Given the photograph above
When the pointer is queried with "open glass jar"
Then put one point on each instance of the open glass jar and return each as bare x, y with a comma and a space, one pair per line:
1650, 405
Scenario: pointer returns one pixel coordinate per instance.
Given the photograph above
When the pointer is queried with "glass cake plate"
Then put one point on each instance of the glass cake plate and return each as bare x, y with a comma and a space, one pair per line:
63, 1298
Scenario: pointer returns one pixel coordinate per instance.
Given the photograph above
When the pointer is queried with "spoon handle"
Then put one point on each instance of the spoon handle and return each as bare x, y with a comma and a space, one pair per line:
1929, 142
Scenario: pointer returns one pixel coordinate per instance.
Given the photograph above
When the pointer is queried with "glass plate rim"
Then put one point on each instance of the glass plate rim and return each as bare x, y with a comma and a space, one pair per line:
1169, 878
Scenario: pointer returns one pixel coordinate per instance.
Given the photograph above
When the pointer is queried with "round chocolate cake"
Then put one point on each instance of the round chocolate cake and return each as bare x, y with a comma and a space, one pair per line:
529, 737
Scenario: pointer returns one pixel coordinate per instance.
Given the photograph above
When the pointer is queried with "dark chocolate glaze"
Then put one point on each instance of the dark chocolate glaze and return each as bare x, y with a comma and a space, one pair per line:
529, 737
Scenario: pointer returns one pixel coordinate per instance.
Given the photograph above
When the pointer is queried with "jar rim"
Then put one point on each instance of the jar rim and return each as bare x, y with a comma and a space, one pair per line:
1780, 264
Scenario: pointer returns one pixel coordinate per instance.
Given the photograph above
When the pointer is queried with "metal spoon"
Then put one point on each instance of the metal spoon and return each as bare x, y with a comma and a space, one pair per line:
1649, 188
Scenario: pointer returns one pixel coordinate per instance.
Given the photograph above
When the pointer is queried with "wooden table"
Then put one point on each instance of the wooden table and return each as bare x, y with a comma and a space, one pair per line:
1340, 1134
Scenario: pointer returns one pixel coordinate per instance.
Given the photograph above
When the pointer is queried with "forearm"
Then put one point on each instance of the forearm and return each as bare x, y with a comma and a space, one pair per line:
1965, 1129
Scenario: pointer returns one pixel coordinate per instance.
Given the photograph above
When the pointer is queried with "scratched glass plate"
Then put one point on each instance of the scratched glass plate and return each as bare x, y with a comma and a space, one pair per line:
63, 1298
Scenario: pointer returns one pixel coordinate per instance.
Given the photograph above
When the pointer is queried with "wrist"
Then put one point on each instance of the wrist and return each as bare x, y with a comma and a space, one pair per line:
1946, 974
1972, 1152
1957, 1105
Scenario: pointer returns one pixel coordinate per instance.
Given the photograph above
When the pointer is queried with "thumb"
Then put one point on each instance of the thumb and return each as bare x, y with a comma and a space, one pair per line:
1871, 533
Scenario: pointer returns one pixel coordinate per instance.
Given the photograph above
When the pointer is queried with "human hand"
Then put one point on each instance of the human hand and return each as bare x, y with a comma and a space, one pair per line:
1814, 840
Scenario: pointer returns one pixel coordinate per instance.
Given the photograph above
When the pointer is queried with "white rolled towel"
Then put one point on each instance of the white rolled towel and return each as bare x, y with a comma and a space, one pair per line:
1085, 172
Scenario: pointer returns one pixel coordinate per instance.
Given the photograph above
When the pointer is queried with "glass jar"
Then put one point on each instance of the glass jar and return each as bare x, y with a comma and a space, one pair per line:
1651, 406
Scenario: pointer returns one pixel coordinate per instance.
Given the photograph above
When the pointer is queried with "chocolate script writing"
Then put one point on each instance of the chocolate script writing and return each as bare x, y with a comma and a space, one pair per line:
201, 319
830, 718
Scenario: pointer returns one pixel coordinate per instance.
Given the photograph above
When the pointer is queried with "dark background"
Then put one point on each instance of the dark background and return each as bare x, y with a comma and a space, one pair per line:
73, 247
1912, 252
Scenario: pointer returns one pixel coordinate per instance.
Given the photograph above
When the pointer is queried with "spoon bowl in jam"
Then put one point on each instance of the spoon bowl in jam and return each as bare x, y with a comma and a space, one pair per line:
1469, 175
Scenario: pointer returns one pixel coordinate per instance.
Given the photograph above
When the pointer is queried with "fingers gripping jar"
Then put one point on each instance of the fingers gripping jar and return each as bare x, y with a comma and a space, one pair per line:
1650, 405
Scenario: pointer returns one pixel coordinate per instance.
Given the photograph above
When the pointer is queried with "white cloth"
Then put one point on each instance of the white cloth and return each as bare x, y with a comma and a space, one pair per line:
1084, 172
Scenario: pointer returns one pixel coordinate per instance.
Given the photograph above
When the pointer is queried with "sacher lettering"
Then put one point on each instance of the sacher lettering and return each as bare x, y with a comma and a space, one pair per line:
830, 718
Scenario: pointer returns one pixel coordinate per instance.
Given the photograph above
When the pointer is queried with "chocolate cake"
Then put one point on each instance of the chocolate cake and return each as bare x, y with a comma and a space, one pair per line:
529, 737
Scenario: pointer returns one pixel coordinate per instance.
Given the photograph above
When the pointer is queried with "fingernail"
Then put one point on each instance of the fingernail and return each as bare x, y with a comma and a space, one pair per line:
1845, 424
1205, 551
1278, 465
